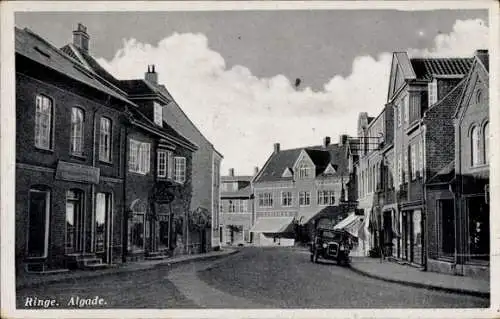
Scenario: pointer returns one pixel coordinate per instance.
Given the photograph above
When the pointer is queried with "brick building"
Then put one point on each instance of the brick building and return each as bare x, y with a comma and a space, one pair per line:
236, 209
415, 85
458, 194
304, 185
102, 177
69, 173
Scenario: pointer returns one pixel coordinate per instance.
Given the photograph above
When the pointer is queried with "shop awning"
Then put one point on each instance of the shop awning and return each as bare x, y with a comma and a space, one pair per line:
273, 225
351, 224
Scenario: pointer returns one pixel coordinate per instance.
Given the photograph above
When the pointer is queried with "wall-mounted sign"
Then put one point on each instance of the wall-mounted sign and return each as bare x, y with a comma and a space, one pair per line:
77, 173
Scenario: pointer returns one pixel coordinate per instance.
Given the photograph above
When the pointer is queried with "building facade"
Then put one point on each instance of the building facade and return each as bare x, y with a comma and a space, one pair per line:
459, 194
236, 209
69, 174
101, 177
304, 186
415, 85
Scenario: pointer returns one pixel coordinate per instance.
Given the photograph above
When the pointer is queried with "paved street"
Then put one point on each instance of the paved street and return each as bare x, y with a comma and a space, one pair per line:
254, 277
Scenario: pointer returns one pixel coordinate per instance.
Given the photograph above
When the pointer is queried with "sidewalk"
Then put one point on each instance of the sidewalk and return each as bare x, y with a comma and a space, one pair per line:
408, 275
29, 280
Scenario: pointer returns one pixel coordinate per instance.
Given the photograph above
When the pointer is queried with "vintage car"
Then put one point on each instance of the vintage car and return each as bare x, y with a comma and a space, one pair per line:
332, 245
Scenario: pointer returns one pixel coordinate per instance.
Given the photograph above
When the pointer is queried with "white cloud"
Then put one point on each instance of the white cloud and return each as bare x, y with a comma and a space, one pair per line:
243, 115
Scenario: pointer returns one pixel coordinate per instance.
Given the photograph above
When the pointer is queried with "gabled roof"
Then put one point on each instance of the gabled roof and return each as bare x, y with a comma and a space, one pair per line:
445, 175
451, 98
427, 68
34, 47
321, 157
244, 192
477, 62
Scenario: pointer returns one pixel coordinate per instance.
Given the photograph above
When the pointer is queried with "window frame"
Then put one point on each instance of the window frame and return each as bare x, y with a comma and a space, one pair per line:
51, 121
286, 199
486, 142
180, 177
475, 140
102, 143
157, 108
162, 170
73, 138
432, 95
304, 198
141, 155
265, 200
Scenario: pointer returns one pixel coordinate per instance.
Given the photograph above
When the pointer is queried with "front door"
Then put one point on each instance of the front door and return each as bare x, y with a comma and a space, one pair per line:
102, 226
162, 233
74, 238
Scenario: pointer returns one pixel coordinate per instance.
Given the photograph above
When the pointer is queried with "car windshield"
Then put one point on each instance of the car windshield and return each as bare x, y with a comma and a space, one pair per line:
331, 235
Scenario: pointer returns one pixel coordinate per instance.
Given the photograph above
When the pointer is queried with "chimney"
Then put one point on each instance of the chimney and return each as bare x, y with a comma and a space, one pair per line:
231, 172
481, 53
255, 170
81, 38
343, 139
326, 141
276, 148
151, 75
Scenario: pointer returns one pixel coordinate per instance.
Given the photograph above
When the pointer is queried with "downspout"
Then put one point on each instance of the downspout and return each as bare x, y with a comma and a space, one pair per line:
458, 193
125, 211
425, 244
92, 186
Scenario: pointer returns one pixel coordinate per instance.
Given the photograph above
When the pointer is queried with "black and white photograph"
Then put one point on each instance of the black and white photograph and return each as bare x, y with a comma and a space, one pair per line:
274, 159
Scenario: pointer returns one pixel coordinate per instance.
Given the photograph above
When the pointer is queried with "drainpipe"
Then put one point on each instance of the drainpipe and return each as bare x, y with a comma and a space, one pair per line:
458, 193
425, 243
125, 211
92, 186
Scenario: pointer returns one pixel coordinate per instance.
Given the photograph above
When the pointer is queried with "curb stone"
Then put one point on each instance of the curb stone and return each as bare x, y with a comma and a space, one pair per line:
120, 270
422, 285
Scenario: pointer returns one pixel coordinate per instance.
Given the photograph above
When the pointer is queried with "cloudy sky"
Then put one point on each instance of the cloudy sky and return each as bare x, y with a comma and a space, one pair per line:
234, 72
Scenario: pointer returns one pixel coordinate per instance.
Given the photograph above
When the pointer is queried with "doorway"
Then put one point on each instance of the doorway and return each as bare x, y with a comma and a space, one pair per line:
74, 235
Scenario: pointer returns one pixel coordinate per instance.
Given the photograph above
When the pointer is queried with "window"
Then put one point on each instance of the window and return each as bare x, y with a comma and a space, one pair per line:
446, 211
413, 160
43, 122
158, 114
105, 140
304, 198
326, 197
265, 200
102, 214
479, 226
486, 141
432, 88
421, 157
304, 170
180, 169
139, 157
405, 164
406, 108
242, 205
475, 146
398, 109
232, 206
76, 141
38, 223
163, 163
478, 96
399, 169
286, 199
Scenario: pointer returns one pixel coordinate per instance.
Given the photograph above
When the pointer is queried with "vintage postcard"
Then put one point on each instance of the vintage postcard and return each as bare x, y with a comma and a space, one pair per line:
249, 159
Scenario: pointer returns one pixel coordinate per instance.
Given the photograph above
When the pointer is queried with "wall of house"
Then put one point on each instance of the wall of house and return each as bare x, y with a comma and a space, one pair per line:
38, 167
203, 158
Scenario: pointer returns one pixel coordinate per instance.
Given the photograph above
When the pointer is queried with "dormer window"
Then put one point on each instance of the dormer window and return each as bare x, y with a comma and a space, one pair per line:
433, 94
287, 172
330, 170
304, 171
158, 114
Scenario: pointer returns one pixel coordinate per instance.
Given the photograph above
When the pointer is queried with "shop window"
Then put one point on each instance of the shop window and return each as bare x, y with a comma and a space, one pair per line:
446, 213
38, 222
479, 224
